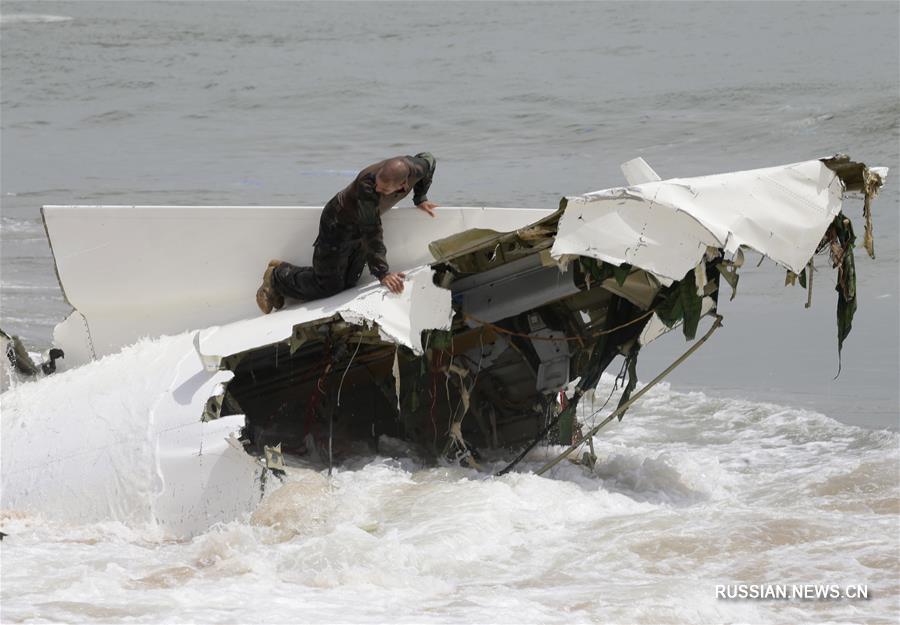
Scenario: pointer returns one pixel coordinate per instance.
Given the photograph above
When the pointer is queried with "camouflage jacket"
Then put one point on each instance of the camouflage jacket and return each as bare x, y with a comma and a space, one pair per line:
355, 212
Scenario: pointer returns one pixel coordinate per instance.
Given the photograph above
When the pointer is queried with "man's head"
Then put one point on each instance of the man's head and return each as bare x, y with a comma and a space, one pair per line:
392, 177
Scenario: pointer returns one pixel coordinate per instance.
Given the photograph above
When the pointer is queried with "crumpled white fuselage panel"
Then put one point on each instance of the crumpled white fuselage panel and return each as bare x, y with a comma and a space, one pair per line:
400, 318
665, 227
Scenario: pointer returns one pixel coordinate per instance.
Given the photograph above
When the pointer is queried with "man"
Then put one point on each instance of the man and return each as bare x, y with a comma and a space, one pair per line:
350, 234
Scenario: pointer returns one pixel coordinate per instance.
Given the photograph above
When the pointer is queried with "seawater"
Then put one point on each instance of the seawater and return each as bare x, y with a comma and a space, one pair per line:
754, 466
689, 492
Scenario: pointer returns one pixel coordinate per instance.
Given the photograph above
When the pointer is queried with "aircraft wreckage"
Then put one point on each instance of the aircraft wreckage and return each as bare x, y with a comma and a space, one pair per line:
503, 309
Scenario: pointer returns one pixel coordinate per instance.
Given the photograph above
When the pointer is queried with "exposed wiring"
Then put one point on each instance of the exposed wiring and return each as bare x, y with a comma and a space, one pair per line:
331, 412
341, 386
622, 408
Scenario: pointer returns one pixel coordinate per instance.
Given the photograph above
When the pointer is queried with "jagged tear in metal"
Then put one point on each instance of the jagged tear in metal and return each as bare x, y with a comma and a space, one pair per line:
666, 226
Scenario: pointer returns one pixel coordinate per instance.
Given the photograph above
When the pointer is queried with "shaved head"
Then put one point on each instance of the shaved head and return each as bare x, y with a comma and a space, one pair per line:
393, 174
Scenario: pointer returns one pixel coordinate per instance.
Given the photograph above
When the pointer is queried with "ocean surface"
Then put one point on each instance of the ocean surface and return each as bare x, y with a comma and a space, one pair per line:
751, 464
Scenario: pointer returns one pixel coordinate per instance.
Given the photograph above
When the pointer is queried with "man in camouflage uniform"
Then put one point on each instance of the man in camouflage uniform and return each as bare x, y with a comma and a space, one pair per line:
350, 234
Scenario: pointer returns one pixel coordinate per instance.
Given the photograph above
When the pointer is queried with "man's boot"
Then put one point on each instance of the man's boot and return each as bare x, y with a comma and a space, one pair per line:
267, 298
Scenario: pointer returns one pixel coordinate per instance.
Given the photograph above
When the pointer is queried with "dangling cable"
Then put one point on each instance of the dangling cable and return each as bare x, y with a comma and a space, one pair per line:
331, 412
623, 407
341, 385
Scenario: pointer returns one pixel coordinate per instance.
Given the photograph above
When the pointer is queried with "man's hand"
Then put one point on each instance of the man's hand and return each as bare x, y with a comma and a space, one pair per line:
394, 281
427, 207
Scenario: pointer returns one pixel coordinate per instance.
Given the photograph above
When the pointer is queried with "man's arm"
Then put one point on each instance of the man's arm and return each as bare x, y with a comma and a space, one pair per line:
371, 229
376, 257
423, 164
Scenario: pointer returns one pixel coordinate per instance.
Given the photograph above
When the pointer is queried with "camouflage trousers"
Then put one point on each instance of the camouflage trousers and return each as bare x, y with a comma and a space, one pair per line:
334, 269
338, 262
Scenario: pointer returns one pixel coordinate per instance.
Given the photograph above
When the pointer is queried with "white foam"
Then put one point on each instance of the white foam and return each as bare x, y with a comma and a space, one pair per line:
32, 18
689, 491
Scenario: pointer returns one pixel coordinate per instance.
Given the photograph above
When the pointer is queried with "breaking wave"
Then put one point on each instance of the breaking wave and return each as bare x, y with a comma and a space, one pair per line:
689, 491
